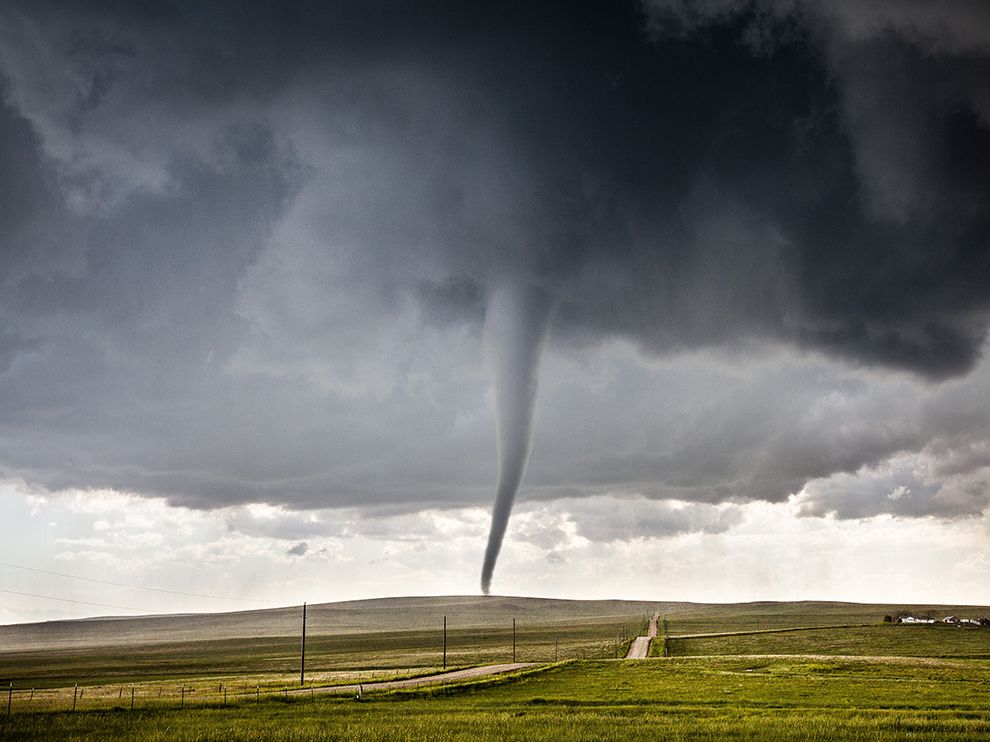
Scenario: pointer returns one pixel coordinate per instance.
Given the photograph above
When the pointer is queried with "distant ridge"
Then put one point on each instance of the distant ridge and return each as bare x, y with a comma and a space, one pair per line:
411, 613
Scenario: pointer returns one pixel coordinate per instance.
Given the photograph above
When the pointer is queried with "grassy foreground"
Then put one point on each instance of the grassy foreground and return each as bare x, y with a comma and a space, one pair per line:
679, 698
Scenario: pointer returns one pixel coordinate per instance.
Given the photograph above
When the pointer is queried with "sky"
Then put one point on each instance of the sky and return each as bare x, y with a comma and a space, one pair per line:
288, 293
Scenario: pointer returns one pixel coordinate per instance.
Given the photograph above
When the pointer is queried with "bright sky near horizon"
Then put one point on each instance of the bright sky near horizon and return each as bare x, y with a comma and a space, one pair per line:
248, 553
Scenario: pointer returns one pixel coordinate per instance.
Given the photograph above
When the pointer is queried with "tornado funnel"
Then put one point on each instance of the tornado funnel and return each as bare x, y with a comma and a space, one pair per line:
517, 321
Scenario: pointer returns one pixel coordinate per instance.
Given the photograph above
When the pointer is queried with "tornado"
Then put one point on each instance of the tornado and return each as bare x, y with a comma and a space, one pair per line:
516, 325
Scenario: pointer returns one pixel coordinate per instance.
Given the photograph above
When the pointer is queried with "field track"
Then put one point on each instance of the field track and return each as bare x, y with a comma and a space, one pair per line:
784, 630
470, 673
640, 647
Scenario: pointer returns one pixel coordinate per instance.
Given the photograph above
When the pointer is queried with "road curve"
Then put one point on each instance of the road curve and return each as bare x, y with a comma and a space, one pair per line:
640, 647
438, 679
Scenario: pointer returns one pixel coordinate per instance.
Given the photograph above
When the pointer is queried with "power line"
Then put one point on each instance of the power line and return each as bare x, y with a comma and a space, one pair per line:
73, 600
136, 587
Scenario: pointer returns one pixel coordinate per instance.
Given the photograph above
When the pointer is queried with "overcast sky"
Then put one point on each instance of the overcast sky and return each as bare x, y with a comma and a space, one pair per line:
248, 261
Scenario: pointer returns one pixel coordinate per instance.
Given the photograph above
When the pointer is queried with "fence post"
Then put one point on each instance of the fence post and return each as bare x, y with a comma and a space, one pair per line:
302, 651
132, 698
75, 689
10, 695
182, 698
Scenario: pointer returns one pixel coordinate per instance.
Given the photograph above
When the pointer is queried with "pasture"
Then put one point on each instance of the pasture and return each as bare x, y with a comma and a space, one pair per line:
856, 679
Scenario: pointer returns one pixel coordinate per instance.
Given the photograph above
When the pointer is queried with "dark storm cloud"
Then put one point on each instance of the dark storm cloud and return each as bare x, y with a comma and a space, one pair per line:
247, 255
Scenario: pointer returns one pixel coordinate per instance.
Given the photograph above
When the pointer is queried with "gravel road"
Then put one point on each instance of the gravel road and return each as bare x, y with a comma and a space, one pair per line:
640, 647
438, 679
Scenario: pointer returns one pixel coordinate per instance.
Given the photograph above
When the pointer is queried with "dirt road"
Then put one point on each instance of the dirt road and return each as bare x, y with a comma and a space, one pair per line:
640, 647
444, 677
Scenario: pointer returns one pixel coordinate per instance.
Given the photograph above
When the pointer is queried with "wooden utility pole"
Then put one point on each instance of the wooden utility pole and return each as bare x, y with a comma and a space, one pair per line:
444, 642
302, 651
513, 640
10, 695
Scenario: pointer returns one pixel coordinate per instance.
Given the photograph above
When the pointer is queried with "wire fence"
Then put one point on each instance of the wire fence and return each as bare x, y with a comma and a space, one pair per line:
220, 691
196, 693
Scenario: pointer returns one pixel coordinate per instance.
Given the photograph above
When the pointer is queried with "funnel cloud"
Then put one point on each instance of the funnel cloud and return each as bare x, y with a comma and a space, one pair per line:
516, 328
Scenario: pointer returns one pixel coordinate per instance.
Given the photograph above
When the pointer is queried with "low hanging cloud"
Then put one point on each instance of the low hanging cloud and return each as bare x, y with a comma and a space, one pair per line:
604, 519
247, 257
299, 549
907, 485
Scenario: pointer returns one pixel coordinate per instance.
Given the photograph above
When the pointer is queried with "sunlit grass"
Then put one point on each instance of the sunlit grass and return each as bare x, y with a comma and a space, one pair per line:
936, 640
681, 698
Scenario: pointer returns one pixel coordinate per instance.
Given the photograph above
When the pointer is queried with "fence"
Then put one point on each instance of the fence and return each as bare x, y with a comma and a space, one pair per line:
234, 690
196, 693
114, 683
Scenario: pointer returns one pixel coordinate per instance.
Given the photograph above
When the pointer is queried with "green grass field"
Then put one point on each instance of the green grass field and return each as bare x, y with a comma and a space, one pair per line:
937, 640
680, 698
708, 619
775, 670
